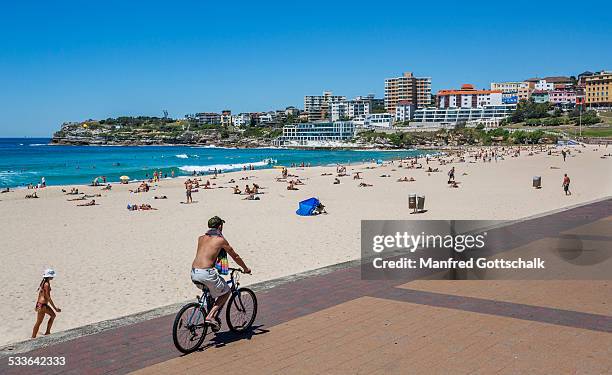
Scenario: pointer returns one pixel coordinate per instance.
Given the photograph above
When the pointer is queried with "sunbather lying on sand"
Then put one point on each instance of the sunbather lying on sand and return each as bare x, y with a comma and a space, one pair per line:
385, 175
231, 181
320, 209
7, 190
250, 197
406, 179
107, 187
146, 207
31, 196
336, 181
291, 186
73, 191
326, 174
92, 203
363, 184
160, 197
92, 195
82, 198
454, 184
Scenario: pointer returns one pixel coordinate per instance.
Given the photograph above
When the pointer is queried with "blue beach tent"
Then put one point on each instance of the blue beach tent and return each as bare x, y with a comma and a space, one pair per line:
307, 207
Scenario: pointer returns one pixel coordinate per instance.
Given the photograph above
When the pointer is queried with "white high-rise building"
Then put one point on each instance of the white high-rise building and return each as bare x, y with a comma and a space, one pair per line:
350, 109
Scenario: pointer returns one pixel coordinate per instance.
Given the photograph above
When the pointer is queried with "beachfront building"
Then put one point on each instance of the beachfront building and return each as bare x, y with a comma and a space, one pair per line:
206, 118
378, 120
468, 97
292, 111
266, 118
404, 111
562, 97
316, 133
226, 117
318, 107
350, 109
241, 119
544, 85
510, 86
407, 87
445, 118
512, 92
540, 96
598, 89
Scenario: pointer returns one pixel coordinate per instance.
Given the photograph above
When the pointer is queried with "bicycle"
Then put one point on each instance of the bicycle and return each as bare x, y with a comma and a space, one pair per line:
190, 329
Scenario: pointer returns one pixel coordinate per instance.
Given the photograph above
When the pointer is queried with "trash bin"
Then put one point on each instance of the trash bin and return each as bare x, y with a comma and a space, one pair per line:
421, 203
537, 182
412, 201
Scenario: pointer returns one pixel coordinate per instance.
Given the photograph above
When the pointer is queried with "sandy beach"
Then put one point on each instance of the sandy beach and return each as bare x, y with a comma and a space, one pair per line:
113, 262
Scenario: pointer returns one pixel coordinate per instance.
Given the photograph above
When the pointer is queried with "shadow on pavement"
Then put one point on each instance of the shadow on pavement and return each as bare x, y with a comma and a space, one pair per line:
227, 337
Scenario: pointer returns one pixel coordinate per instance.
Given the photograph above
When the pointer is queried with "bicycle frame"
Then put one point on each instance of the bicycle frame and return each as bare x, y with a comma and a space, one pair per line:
205, 301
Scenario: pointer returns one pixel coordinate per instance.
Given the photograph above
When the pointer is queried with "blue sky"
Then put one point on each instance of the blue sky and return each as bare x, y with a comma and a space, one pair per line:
74, 60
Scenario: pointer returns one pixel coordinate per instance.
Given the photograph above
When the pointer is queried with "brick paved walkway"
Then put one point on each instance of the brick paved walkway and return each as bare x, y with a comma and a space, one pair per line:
325, 324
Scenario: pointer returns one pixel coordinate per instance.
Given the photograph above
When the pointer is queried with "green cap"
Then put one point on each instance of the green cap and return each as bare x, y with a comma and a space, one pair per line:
215, 222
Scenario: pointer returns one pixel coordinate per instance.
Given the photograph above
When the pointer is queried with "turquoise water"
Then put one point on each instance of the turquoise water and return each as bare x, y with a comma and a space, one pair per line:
24, 161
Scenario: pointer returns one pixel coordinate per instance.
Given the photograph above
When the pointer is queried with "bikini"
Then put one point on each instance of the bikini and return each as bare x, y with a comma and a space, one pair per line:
40, 305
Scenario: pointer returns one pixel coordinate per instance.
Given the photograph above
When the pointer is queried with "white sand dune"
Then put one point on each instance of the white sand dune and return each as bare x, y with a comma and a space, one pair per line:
112, 262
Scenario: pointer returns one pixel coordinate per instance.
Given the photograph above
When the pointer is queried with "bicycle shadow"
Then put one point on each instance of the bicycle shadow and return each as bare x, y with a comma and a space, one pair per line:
227, 337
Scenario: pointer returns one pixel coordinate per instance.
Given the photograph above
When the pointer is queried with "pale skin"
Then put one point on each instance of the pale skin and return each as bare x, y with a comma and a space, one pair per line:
208, 250
44, 297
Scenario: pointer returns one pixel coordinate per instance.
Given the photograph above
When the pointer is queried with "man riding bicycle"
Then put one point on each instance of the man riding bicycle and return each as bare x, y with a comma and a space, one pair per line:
211, 247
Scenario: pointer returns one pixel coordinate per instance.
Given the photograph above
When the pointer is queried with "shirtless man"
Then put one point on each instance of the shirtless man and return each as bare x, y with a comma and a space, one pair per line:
203, 269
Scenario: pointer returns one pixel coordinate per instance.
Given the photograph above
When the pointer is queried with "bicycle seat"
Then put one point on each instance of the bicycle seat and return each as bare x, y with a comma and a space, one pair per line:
199, 285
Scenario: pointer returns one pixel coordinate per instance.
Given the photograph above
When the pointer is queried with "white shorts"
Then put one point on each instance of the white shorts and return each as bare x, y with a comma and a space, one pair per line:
210, 277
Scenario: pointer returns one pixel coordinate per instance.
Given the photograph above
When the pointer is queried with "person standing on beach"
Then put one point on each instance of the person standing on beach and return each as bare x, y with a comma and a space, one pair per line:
566, 184
44, 303
188, 191
451, 175
564, 154
212, 249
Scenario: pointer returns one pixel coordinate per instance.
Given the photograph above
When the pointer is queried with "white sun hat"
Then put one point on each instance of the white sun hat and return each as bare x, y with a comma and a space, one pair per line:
49, 272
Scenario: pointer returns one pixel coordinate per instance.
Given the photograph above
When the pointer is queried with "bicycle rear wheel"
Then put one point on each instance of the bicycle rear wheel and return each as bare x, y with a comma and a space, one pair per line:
189, 330
241, 310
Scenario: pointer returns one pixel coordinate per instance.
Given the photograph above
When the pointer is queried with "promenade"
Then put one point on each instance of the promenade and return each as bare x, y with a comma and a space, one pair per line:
333, 322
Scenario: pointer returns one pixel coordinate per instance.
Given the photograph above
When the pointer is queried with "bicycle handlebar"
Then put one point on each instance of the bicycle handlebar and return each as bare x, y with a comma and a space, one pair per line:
235, 270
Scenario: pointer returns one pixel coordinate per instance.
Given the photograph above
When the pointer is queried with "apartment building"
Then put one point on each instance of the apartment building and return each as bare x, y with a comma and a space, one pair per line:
241, 119
562, 97
350, 109
318, 107
404, 111
513, 91
407, 87
207, 118
468, 97
540, 96
379, 120
508, 87
226, 117
598, 89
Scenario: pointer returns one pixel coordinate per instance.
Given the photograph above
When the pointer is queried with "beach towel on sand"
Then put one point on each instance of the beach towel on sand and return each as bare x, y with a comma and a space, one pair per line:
307, 207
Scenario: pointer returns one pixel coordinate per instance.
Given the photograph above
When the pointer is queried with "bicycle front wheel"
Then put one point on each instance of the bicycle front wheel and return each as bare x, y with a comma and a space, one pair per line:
189, 328
241, 310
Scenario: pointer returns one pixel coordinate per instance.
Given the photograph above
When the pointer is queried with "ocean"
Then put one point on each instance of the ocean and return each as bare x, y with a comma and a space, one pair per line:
27, 160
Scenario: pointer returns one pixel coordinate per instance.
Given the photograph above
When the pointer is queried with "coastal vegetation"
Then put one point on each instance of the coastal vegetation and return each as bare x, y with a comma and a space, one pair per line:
461, 136
529, 113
